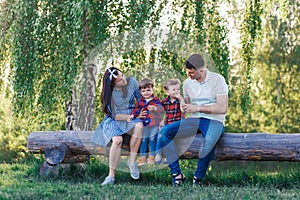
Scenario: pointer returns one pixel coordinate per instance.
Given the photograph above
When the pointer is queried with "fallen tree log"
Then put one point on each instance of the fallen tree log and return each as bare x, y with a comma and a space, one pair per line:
67, 146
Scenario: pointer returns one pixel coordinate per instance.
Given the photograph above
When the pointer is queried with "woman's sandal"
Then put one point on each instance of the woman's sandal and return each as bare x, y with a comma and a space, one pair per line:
177, 179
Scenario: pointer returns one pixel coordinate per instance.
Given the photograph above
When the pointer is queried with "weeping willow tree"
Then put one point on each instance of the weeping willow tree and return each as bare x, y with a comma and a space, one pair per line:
46, 45
49, 42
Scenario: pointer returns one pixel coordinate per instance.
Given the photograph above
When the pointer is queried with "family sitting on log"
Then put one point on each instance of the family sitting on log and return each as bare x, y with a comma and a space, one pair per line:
204, 101
204, 105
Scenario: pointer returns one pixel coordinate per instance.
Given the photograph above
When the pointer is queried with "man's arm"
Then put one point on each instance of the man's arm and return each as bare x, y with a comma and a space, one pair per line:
218, 108
187, 100
182, 101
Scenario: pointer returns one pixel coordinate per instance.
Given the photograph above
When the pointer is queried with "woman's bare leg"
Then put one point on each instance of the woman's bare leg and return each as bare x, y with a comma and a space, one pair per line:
135, 141
114, 155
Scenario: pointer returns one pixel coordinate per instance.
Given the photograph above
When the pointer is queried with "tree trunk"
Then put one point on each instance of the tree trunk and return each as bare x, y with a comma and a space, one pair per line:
86, 111
231, 146
80, 111
71, 111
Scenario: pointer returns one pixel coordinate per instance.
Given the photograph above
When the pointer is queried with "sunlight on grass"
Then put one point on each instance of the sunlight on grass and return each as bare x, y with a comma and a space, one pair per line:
225, 180
10, 174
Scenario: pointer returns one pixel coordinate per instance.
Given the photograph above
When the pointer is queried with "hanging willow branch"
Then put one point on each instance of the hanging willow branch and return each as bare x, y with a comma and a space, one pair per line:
218, 43
250, 30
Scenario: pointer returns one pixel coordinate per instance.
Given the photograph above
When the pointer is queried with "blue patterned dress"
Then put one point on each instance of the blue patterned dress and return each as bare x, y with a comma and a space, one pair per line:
110, 127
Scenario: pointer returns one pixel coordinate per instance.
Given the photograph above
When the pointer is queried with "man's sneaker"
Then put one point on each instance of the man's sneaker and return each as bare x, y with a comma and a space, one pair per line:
142, 161
197, 181
151, 160
108, 181
134, 170
158, 159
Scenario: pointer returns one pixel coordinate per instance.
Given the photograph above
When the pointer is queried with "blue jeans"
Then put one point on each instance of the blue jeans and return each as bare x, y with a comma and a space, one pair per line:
211, 131
149, 137
158, 143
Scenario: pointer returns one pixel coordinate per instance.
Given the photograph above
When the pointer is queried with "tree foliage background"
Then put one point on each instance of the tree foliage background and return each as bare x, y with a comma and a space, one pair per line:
48, 81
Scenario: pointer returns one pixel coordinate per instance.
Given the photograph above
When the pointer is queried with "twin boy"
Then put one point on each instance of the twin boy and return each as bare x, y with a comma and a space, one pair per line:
170, 108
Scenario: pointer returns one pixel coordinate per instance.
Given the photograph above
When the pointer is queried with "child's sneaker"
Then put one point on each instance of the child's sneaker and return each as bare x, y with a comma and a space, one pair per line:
158, 159
165, 162
142, 161
151, 160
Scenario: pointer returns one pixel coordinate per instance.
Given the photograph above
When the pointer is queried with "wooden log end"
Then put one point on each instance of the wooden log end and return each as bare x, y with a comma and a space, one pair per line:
55, 155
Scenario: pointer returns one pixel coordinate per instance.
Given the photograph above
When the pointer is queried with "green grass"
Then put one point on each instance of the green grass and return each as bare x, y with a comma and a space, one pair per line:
224, 180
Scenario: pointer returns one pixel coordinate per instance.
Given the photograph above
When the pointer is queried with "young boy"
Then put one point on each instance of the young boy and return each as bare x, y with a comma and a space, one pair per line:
172, 105
152, 105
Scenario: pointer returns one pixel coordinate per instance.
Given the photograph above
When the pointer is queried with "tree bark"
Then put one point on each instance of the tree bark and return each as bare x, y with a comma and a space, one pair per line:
231, 146
80, 111
86, 110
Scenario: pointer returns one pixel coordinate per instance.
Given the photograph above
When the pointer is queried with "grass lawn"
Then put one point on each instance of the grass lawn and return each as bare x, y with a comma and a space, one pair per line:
224, 180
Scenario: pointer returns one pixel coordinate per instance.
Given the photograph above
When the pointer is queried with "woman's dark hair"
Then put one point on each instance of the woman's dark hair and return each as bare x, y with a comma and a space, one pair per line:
108, 87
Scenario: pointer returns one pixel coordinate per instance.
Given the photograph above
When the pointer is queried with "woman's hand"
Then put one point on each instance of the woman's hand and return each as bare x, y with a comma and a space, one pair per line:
129, 119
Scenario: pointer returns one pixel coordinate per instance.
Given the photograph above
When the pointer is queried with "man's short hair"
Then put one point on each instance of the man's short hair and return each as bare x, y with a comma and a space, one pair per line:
171, 82
195, 61
145, 83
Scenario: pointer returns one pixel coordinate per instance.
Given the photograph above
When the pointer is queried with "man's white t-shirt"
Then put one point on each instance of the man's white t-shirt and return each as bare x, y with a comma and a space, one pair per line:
205, 93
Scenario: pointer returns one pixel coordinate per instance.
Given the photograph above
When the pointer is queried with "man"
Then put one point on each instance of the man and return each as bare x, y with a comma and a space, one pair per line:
206, 98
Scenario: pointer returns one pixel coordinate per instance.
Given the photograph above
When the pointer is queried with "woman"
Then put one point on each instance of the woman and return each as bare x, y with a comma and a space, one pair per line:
117, 98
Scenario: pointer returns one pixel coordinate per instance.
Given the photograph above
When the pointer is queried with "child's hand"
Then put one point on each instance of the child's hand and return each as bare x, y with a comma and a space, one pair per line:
152, 108
142, 114
179, 97
161, 124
